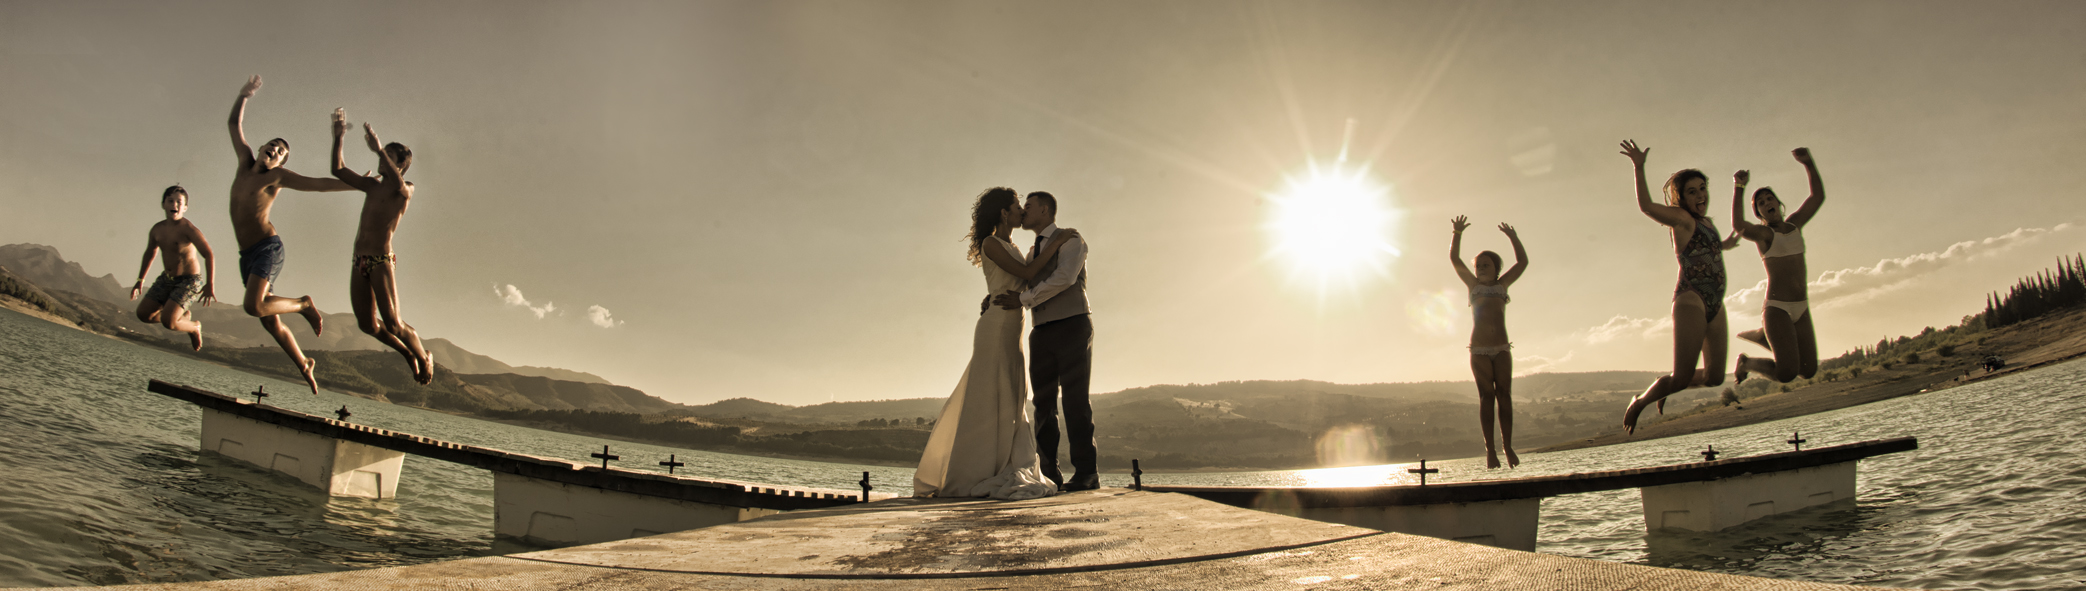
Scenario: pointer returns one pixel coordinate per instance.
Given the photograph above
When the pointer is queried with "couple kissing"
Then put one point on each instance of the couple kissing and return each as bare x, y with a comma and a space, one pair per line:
985, 442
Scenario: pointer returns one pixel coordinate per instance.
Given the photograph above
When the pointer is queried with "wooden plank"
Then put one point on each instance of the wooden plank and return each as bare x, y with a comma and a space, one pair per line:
1541, 486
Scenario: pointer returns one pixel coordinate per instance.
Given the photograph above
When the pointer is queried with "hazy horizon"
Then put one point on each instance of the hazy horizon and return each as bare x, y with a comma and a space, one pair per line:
717, 200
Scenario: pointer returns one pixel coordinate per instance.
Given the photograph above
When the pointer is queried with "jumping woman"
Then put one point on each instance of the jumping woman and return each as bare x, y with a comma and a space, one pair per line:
1786, 323
1700, 330
1490, 362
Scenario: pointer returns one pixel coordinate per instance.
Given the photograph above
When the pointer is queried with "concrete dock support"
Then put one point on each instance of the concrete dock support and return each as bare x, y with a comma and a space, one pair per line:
341, 468
1509, 524
1717, 504
558, 514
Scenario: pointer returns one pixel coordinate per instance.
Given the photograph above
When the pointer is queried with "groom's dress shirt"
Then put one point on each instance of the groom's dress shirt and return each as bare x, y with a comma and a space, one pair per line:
1071, 261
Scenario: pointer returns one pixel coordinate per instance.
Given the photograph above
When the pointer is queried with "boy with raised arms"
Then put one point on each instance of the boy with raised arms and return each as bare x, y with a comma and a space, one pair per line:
261, 177
373, 282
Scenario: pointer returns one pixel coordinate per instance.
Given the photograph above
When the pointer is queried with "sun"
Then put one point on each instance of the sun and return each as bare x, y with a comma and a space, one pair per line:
1332, 227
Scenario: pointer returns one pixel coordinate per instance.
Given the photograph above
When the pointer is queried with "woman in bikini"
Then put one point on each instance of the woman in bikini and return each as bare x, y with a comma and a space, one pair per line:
1490, 363
1700, 331
1786, 322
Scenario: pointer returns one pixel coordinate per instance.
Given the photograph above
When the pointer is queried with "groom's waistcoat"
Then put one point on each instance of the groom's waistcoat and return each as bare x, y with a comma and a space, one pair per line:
1066, 304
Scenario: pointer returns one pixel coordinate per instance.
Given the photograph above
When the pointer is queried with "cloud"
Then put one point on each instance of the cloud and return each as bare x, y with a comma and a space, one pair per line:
1622, 325
1862, 283
1535, 364
600, 317
513, 297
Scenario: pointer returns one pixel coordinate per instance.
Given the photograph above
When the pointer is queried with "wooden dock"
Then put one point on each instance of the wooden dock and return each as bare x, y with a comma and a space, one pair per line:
541, 500
1105, 539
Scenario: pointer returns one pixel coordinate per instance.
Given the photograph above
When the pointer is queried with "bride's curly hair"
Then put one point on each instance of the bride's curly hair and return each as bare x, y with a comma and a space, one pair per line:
986, 216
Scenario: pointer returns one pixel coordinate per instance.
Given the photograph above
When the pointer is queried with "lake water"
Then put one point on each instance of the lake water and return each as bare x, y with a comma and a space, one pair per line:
101, 483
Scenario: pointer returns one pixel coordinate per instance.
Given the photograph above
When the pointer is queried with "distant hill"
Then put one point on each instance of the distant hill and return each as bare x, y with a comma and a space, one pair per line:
224, 323
43, 266
553, 394
447, 353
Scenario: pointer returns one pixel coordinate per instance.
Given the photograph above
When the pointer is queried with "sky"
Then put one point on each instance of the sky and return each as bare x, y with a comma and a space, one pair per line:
710, 200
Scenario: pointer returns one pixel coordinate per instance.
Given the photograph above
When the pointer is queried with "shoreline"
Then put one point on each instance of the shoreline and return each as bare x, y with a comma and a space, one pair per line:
2027, 346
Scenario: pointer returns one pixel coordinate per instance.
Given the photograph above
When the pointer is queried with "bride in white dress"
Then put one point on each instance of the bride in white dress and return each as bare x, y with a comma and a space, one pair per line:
984, 444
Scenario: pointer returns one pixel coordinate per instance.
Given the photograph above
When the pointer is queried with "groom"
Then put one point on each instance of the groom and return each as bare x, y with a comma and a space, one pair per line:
1061, 347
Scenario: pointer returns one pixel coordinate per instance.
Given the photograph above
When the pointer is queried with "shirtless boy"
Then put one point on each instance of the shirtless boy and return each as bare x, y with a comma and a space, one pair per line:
190, 274
262, 176
373, 282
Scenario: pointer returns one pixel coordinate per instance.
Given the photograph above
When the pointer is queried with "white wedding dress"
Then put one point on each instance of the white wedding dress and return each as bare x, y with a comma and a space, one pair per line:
984, 445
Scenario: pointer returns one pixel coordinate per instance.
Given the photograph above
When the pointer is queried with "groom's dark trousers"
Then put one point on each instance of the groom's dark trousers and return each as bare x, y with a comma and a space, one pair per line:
1061, 359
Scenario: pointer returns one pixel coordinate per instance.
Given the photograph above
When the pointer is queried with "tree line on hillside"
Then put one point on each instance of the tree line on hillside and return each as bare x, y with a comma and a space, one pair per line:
2043, 293
21, 290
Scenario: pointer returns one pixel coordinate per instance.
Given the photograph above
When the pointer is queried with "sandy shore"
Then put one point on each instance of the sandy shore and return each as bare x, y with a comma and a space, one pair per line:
2034, 344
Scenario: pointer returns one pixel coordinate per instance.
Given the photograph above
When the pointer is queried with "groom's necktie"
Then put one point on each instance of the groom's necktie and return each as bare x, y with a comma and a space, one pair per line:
1038, 248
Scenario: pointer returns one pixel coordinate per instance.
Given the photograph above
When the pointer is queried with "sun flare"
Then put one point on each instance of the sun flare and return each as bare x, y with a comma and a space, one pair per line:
1331, 226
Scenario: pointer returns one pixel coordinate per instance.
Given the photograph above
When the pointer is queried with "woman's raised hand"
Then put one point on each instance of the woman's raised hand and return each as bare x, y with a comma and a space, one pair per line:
1802, 155
1636, 154
1742, 177
1461, 222
1508, 230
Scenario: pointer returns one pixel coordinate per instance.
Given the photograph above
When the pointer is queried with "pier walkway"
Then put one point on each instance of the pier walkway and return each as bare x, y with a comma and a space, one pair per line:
1105, 539
1700, 496
545, 501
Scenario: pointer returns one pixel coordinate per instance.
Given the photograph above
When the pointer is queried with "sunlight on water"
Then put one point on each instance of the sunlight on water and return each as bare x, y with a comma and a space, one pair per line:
1348, 445
1358, 476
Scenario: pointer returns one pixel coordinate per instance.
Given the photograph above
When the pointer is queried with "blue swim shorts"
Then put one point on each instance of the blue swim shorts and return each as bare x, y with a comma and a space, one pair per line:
263, 259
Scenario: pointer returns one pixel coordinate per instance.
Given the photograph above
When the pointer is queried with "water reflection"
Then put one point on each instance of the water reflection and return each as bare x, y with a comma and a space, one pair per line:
1378, 475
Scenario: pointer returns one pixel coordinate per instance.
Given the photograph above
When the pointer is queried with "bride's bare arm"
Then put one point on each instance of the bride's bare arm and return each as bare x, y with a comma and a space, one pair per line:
1027, 271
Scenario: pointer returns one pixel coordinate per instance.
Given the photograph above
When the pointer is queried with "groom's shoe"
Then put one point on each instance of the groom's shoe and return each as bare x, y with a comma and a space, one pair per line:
1079, 482
1056, 478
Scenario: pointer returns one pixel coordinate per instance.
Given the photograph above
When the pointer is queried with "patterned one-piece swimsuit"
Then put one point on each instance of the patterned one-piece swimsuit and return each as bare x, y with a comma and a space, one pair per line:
1702, 268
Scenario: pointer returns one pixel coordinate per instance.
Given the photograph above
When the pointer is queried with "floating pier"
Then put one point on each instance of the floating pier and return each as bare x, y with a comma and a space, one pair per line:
540, 500
1700, 496
1104, 539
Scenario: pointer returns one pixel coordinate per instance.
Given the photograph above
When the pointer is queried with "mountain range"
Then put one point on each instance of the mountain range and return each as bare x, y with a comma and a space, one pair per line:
1247, 425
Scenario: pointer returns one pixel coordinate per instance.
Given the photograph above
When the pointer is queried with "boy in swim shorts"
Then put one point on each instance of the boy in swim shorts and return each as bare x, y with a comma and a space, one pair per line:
261, 177
373, 280
190, 274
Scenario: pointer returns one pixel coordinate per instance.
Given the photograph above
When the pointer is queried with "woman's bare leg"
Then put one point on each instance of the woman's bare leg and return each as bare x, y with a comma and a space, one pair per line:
1689, 331
1781, 335
1757, 337
1503, 396
1481, 371
1807, 337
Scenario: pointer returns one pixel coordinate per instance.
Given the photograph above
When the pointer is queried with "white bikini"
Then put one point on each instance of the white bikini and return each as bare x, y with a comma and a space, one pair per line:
1490, 291
1791, 243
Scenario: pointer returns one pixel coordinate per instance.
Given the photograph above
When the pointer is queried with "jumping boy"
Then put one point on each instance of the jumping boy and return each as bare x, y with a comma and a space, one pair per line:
190, 274
254, 188
373, 281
